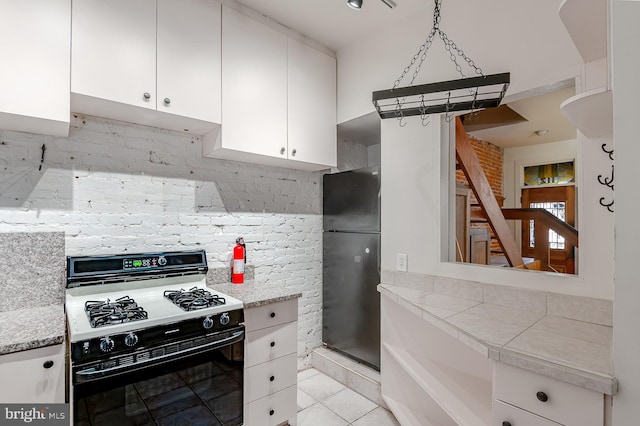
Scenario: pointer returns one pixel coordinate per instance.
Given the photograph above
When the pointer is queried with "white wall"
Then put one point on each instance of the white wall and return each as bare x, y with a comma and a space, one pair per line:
594, 222
413, 206
114, 187
524, 38
626, 346
410, 194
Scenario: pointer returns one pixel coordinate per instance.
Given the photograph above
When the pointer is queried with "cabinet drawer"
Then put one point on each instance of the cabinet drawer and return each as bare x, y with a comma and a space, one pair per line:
565, 403
270, 377
36, 375
273, 409
270, 315
270, 343
505, 415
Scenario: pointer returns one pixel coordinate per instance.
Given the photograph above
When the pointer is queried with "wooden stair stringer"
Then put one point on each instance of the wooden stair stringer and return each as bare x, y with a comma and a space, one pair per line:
484, 194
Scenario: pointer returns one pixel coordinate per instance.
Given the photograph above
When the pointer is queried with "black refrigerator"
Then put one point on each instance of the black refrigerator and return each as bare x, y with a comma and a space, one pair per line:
351, 264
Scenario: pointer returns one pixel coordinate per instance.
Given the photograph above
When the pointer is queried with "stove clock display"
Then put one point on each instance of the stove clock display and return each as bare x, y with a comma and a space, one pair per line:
145, 262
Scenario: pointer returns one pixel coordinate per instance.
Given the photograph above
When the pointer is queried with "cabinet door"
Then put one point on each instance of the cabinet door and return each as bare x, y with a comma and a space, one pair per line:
113, 50
34, 376
270, 343
34, 77
273, 409
188, 61
254, 82
312, 128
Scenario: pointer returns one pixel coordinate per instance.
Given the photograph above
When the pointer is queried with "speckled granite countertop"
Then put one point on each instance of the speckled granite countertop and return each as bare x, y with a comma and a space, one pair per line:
574, 351
255, 294
31, 328
38, 290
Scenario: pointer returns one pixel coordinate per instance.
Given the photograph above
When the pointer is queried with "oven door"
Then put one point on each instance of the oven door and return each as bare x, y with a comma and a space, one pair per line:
188, 385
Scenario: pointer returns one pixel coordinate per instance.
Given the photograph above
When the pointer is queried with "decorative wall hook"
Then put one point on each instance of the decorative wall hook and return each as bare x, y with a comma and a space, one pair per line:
609, 206
606, 181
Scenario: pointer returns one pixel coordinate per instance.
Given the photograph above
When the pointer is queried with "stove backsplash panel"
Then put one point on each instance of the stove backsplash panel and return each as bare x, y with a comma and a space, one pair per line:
31, 269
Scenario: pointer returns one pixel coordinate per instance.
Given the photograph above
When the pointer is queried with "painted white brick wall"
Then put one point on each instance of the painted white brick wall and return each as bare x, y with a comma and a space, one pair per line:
114, 187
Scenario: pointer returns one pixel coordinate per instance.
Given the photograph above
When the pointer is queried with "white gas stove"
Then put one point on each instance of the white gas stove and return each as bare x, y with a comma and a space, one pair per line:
125, 311
149, 295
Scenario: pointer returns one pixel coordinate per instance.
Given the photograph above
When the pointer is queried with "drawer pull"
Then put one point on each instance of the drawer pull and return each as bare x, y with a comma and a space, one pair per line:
273, 344
48, 364
273, 315
272, 378
542, 397
271, 412
505, 423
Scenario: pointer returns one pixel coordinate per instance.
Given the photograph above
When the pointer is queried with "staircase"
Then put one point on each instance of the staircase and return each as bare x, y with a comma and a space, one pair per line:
488, 210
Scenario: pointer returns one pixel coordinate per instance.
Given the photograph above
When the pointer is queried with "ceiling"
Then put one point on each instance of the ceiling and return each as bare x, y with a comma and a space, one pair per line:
541, 113
333, 24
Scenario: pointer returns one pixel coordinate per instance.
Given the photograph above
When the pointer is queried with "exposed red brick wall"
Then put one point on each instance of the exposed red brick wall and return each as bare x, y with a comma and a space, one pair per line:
490, 158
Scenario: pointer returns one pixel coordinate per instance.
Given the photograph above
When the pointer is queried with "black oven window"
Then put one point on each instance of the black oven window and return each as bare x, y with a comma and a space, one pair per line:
203, 390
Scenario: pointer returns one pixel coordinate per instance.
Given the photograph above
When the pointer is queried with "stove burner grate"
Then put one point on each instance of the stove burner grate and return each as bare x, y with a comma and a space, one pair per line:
123, 309
194, 299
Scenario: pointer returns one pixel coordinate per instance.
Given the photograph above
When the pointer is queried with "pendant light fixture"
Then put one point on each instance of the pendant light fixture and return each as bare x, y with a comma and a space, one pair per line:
466, 93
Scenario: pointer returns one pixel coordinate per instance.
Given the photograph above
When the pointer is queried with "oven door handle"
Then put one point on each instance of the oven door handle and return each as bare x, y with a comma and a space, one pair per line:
92, 373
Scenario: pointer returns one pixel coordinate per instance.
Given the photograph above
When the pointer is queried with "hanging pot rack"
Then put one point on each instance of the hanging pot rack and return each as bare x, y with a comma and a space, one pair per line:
466, 93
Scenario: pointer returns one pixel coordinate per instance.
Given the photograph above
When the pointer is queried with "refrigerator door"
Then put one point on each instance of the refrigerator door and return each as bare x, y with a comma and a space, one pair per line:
351, 302
351, 200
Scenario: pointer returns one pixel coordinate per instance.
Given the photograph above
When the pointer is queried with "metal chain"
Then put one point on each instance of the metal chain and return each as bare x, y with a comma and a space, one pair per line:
449, 45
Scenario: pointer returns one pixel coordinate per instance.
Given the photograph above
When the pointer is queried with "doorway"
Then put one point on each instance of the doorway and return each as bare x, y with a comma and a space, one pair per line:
561, 202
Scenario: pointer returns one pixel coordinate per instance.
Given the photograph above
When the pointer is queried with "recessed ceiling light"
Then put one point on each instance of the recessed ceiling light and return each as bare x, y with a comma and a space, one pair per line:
541, 132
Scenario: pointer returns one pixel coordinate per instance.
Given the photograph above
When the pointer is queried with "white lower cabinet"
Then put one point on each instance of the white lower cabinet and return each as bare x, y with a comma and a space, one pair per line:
270, 374
546, 397
274, 409
508, 415
429, 377
33, 376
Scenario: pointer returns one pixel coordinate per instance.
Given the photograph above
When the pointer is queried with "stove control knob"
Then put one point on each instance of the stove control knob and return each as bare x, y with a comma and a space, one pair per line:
131, 339
162, 261
207, 323
106, 344
224, 319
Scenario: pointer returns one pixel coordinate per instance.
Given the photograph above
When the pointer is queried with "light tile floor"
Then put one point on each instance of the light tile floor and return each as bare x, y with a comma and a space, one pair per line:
323, 401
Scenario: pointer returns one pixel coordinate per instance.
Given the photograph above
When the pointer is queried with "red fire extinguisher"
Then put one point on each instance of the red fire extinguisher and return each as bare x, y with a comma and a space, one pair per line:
239, 259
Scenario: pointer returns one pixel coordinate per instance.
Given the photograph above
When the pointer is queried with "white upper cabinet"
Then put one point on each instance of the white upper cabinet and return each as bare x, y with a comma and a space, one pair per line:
114, 50
311, 105
188, 61
147, 61
254, 86
34, 76
278, 98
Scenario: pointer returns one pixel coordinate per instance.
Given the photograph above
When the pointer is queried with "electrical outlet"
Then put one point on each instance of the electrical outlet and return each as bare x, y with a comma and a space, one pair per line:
401, 262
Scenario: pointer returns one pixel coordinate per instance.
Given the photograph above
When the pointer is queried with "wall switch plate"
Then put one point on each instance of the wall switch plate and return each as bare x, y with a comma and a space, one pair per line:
401, 262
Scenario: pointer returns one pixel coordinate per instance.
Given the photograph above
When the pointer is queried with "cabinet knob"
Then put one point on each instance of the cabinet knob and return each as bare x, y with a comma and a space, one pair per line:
167, 101
282, 150
48, 364
505, 423
293, 152
272, 378
542, 397
146, 96
271, 412
272, 344
273, 315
